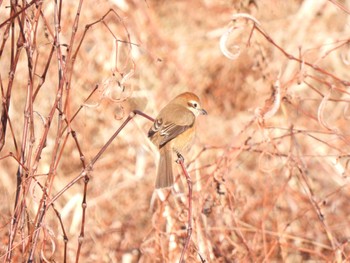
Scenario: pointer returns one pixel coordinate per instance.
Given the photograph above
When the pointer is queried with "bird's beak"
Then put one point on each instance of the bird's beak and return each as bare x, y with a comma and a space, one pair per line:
203, 112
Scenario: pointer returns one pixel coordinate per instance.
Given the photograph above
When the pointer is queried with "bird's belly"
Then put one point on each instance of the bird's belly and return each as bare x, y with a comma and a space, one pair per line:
183, 141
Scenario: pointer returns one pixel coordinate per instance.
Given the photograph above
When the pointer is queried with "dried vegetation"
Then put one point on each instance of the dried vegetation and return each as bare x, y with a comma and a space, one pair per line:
270, 164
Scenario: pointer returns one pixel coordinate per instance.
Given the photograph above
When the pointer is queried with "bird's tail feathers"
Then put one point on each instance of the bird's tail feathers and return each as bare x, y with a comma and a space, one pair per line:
165, 176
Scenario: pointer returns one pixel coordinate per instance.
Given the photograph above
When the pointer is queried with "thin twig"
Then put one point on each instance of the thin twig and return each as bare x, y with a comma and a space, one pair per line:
180, 161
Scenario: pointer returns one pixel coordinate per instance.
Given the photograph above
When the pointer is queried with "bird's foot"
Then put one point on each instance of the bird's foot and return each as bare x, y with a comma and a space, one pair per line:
180, 158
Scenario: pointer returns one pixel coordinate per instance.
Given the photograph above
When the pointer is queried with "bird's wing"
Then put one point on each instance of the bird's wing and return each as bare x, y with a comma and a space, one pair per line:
181, 120
171, 131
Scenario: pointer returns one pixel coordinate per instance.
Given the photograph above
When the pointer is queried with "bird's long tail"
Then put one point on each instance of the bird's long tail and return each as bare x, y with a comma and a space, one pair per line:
165, 176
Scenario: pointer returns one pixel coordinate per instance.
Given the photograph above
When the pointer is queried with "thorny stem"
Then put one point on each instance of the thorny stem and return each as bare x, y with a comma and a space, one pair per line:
27, 158
16, 14
291, 57
65, 237
18, 210
89, 166
70, 63
84, 202
58, 103
180, 161
84, 174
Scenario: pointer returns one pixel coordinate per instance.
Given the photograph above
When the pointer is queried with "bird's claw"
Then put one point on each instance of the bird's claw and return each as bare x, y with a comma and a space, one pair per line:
180, 159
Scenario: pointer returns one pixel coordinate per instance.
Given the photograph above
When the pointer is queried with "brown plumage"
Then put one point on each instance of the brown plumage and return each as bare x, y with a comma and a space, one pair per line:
174, 131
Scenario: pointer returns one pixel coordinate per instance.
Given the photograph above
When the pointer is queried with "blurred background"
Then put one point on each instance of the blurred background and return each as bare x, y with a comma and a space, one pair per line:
270, 161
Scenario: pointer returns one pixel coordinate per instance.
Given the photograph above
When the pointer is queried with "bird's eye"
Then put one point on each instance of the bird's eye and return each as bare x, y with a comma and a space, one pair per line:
195, 105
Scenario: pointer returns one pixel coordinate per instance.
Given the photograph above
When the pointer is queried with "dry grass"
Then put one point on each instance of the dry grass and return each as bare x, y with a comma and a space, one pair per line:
270, 176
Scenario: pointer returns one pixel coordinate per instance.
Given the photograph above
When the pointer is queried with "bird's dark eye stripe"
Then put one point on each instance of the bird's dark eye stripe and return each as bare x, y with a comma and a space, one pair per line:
193, 104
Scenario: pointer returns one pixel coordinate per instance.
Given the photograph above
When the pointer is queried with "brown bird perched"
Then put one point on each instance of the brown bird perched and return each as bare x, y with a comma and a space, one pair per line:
174, 131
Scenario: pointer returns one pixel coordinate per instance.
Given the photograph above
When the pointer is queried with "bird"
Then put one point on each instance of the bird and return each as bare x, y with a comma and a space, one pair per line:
173, 131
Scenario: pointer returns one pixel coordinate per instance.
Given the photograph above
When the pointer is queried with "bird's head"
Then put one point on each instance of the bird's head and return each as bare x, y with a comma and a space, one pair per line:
191, 102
